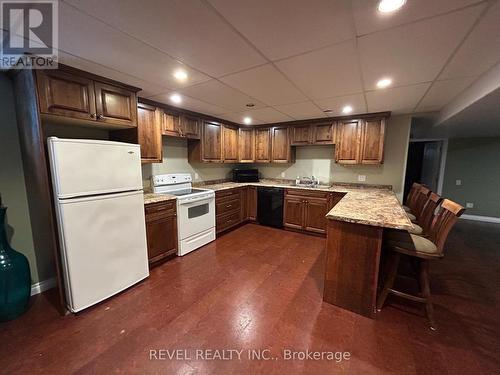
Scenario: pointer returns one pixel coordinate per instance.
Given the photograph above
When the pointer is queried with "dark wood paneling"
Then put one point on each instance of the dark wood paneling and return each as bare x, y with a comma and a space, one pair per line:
352, 266
252, 203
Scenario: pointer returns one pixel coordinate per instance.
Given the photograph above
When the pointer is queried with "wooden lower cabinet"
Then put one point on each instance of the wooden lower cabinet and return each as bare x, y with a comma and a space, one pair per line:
306, 209
161, 230
228, 209
251, 208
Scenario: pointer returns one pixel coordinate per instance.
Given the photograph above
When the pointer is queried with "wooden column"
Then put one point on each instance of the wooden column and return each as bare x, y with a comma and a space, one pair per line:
352, 264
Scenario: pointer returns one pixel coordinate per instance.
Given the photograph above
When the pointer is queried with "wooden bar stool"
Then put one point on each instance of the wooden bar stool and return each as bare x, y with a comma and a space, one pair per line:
425, 218
411, 196
423, 249
418, 203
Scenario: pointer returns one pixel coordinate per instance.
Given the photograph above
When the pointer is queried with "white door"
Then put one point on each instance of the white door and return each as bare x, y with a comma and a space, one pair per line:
103, 244
82, 167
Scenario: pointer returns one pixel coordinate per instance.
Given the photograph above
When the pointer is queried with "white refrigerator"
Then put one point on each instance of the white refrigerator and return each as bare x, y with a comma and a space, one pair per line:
100, 213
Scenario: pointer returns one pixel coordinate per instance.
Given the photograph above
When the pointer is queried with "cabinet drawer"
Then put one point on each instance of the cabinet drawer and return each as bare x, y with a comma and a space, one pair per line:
307, 193
167, 208
226, 195
225, 207
227, 221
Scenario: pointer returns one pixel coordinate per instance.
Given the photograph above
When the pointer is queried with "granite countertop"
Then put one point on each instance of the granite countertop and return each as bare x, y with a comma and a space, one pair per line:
155, 198
376, 206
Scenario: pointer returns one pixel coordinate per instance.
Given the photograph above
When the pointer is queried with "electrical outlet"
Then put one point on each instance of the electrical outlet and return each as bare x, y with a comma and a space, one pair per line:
469, 205
458, 182
361, 178
283, 174
196, 176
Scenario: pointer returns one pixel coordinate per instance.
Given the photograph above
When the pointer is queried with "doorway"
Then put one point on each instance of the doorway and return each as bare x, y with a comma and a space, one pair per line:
425, 164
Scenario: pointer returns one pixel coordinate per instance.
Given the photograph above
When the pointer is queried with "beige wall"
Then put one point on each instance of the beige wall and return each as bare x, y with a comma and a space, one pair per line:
12, 186
474, 161
175, 161
317, 161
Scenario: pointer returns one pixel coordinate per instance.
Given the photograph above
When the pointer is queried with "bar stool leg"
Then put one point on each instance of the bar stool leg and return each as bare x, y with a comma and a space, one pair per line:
392, 271
426, 292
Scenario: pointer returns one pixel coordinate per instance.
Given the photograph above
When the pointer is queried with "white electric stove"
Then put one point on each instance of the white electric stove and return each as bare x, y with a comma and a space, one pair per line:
195, 210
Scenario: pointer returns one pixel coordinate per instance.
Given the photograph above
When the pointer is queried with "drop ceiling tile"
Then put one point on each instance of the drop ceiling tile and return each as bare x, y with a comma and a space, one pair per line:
336, 104
117, 50
442, 92
147, 88
284, 28
301, 111
189, 103
416, 52
266, 84
328, 72
397, 99
187, 30
219, 94
368, 19
480, 50
268, 115
237, 117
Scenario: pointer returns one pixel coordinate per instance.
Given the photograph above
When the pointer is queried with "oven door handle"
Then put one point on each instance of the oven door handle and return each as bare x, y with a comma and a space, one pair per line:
206, 199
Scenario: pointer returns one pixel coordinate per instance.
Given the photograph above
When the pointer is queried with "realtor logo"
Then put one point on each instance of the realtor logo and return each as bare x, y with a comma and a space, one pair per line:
29, 34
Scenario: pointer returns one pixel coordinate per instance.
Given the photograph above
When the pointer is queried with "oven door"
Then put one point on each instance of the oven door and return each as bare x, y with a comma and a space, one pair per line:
195, 216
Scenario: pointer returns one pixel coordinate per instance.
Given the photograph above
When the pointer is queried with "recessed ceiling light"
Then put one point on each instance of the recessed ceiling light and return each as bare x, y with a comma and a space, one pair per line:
180, 75
347, 109
175, 98
387, 6
384, 82
247, 120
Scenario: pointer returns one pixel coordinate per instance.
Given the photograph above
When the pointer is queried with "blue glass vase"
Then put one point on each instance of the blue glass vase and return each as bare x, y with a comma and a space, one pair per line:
15, 279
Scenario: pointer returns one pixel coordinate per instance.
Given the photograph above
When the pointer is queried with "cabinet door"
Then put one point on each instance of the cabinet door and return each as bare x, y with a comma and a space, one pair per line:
315, 211
161, 234
246, 145
230, 144
170, 124
65, 94
252, 203
293, 212
323, 134
372, 141
347, 147
301, 135
115, 105
212, 142
190, 127
149, 133
263, 145
280, 145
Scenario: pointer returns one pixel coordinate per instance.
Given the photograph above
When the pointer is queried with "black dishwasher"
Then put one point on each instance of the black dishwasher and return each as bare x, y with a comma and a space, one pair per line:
270, 206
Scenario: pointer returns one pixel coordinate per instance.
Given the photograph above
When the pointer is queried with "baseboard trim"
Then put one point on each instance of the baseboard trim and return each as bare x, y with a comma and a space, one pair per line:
42, 286
486, 219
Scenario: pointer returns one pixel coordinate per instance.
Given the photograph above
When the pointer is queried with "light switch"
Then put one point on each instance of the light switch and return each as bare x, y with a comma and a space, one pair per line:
458, 182
361, 178
469, 205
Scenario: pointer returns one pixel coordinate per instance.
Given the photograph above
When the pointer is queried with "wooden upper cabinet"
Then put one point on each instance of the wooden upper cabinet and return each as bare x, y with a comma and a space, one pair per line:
65, 94
211, 142
170, 124
78, 95
301, 135
115, 105
263, 145
280, 145
347, 146
246, 145
372, 141
190, 127
230, 144
149, 133
322, 134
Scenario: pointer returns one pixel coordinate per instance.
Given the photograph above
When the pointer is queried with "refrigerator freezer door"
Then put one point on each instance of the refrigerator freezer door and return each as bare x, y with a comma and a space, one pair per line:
83, 167
103, 246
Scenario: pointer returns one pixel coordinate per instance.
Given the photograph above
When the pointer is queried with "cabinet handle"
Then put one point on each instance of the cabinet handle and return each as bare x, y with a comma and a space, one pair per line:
229, 205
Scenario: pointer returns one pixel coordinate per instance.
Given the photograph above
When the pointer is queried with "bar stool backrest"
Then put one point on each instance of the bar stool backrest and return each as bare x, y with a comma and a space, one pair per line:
443, 221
